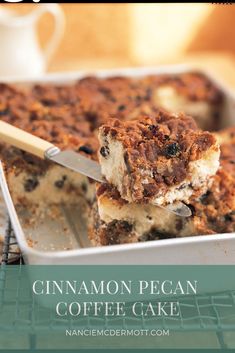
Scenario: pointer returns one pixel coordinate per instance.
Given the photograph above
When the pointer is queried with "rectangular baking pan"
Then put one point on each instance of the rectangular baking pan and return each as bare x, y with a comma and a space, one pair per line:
211, 249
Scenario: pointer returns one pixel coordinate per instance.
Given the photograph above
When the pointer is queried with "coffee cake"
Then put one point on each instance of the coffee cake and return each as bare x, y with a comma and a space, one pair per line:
68, 115
116, 221
158, 160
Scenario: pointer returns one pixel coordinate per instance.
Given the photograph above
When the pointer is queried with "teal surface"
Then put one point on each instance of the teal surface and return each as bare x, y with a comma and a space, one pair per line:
110, 307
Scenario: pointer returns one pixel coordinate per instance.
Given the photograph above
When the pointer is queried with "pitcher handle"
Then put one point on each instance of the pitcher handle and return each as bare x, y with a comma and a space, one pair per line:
59, 26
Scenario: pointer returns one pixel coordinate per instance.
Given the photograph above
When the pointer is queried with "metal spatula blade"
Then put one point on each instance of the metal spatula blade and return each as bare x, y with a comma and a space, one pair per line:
76, 162
179, 209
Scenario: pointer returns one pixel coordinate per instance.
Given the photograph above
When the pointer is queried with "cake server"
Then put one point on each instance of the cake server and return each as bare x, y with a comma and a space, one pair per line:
46, 150
69, 159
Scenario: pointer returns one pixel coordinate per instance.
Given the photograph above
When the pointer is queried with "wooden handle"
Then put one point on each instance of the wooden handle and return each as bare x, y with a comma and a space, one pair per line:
23, 140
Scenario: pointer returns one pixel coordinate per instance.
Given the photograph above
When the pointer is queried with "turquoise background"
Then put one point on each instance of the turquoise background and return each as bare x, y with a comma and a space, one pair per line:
206, 321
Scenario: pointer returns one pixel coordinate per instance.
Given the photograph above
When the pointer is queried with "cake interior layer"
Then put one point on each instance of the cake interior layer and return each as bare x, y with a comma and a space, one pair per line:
56, 185
144, 218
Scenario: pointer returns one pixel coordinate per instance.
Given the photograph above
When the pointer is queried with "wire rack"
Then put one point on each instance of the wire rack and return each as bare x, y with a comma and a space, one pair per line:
210, 312
10, 252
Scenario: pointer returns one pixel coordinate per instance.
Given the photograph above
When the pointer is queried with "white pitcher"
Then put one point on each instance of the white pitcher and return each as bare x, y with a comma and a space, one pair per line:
20, 53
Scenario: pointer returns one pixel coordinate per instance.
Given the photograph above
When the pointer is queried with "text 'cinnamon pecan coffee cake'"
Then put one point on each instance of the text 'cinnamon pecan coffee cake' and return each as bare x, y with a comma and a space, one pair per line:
70, 115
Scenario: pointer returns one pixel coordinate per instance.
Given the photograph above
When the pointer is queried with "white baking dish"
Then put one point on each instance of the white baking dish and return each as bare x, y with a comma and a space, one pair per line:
212, 249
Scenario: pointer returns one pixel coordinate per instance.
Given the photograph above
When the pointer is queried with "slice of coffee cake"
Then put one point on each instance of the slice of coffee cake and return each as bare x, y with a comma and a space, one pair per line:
115, 221
158, 160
